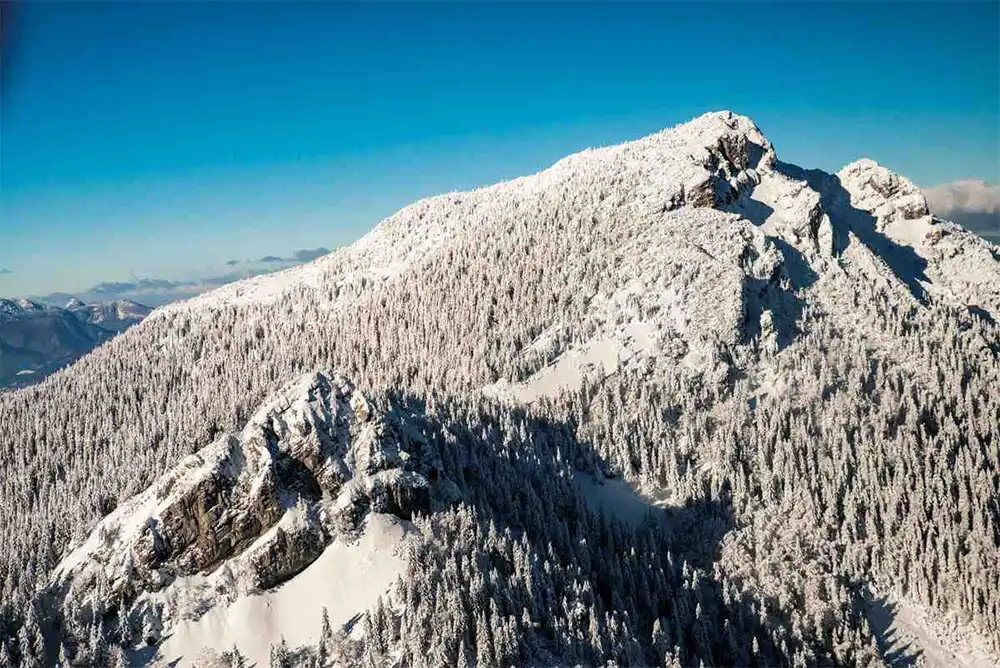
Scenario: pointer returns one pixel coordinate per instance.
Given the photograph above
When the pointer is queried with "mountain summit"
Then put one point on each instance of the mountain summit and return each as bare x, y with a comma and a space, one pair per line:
719, 161
669, 402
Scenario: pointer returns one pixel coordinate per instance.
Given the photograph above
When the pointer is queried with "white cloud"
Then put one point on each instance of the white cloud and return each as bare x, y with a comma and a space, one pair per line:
157, 291
971, 203
964, 195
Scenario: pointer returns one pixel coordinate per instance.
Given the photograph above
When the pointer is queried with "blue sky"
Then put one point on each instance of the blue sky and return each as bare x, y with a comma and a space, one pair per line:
163, 139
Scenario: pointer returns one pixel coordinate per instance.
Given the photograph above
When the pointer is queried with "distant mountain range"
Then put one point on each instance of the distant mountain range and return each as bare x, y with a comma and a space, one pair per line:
37, 339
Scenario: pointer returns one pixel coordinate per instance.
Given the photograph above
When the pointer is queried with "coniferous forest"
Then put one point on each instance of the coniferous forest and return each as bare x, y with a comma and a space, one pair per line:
810, 428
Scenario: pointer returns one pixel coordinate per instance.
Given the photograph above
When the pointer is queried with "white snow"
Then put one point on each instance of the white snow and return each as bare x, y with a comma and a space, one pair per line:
619, 498
614, 497
598, 359
347, 579
912, 631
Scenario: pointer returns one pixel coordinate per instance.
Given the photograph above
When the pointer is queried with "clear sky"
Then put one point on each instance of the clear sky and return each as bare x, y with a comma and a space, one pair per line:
163, 139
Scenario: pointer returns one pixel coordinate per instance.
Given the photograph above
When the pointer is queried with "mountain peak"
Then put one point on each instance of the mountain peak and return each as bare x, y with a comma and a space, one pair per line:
29, 305
39, 339
732, 119
884, 193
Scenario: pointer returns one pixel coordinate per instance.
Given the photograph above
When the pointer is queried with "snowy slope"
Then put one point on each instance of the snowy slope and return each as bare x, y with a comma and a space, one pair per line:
346, 580
709, 210
711, 322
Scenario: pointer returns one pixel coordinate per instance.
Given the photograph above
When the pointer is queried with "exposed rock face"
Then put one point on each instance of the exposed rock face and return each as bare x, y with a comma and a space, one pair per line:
286, 553
311, 463
728, 166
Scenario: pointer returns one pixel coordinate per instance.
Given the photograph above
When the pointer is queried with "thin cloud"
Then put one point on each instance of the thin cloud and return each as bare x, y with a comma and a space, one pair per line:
158, 291
297, 257
308, 254
143, 284
216, 281
975, 205
6, 271
112, 287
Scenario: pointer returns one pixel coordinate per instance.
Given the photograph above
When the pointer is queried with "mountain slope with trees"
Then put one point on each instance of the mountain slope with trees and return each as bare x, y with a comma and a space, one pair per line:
796, 370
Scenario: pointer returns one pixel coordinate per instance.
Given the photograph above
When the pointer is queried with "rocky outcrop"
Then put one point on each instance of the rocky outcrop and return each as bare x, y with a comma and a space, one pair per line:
727, 166
888, 196
286, 552
952, 264
261, 505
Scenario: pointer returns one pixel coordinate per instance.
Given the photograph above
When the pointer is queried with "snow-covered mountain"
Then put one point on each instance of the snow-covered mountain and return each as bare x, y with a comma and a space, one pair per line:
667, 402
37, 339
112, 315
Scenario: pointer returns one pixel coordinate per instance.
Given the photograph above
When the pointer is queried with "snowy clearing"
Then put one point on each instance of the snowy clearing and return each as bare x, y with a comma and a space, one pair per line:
347, 579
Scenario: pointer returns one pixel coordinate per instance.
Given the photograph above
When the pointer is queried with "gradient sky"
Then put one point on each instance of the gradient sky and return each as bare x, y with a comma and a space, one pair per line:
160, 139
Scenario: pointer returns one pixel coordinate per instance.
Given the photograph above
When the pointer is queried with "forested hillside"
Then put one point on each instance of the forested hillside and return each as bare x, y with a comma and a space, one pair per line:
796, 371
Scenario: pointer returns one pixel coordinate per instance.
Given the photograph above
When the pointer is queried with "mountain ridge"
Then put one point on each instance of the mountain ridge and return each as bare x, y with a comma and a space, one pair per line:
727, 154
